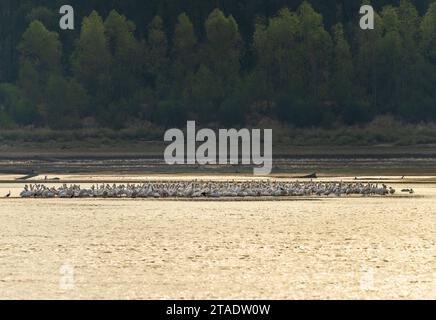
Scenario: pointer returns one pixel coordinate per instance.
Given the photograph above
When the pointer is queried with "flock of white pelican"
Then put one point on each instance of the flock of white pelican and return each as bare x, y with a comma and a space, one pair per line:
208, 189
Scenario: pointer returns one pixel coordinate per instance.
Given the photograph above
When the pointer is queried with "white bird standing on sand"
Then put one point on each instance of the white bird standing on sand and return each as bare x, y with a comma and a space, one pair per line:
211, 189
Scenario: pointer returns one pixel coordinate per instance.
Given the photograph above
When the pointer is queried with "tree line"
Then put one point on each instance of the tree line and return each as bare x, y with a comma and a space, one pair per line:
291, 66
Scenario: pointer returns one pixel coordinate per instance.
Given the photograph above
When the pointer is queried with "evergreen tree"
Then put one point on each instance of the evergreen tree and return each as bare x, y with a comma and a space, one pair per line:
315, 48
157, 51
223, 47
342, 68
185, 48
91, 61
428, 29
218, 63
278, 55
125, 51
66, 101
40, 58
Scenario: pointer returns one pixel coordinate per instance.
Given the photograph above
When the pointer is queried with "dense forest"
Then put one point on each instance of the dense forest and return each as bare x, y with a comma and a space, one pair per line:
222, 62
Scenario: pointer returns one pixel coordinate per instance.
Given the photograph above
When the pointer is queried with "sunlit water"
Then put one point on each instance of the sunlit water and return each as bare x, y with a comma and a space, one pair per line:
315, 248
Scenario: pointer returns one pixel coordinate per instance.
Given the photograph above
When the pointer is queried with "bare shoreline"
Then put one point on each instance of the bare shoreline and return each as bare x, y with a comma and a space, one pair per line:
155, 150
365, 248
147, 158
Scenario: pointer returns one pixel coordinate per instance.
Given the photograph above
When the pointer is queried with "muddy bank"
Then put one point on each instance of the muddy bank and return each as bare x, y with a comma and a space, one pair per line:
148, 158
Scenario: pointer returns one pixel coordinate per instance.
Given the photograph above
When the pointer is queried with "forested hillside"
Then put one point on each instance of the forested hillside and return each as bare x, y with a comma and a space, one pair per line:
222, 62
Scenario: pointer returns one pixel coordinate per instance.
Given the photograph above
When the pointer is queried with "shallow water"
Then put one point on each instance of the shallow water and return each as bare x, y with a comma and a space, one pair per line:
142, 249
371, 163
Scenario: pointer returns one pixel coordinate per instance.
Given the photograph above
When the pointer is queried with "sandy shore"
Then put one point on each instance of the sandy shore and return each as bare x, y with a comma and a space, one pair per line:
356, 247
366, 248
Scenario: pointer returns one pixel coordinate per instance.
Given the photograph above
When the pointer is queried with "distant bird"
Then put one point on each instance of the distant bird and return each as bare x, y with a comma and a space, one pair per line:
208, 189
8, 195
411, 191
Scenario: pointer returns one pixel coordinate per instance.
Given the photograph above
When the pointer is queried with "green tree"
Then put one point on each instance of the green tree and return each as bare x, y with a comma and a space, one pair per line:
48, 17
91, 65
367, 62
220, 71
277, 55
315, 48
389, 66
342, 68
91, 60
223, 47
293, 70
15, 108
185, 48
428, 29
204, 94
66, 100
30, 82
124, 48
157, 52
9, 96
40, 57
413, 82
